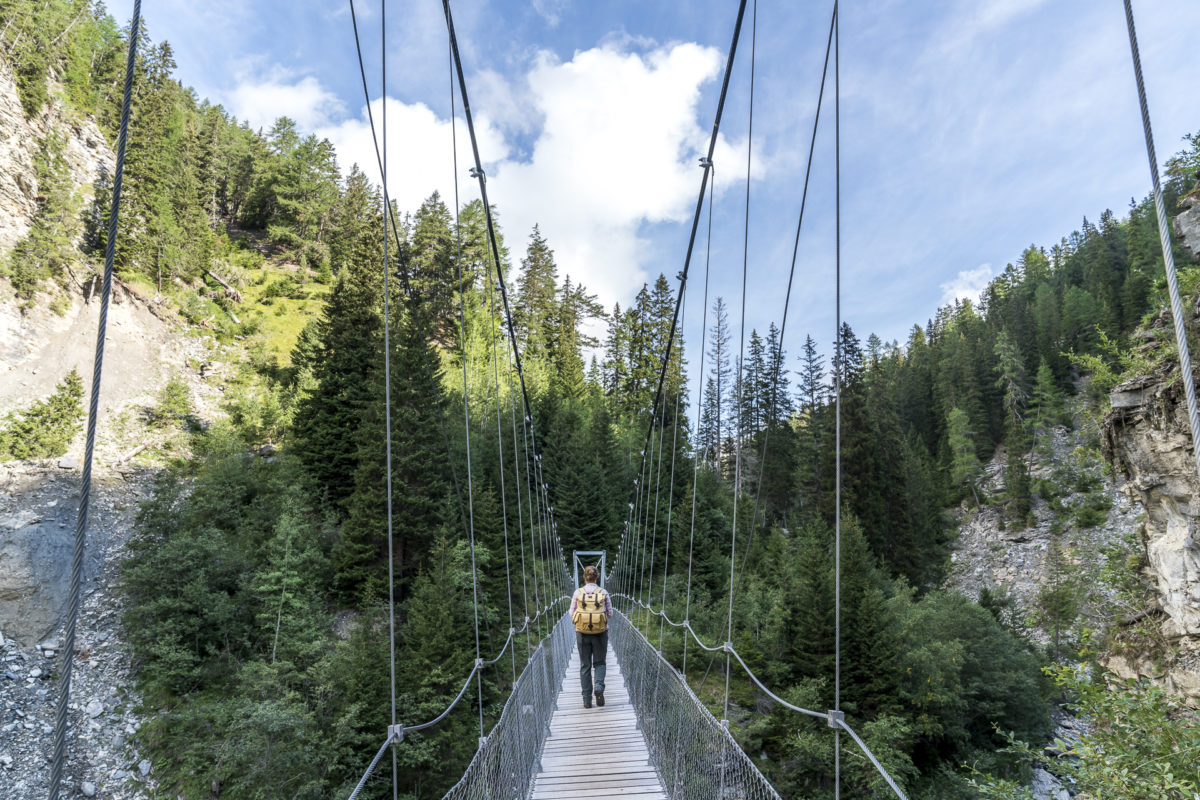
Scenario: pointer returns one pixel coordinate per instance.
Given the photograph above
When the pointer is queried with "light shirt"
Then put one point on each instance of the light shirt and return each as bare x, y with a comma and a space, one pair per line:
593, 587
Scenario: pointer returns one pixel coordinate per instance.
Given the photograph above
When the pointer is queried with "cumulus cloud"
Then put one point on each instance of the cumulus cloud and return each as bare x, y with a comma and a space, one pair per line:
593, 150
420, 151
262, 100
967, 285
617, 150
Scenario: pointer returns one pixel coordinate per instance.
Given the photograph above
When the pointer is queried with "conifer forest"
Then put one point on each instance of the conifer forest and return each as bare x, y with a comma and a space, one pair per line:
255, 586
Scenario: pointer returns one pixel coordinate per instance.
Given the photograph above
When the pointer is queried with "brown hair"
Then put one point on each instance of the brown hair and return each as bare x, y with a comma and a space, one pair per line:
590, 574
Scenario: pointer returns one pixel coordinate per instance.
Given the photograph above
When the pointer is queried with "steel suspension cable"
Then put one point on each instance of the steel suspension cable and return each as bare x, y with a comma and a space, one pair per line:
687, 608
741, 383
837, 514
413, 298
662, 426
671, 492
387, 403
707, 164
462, 329
85, 490
500, 450
520, 511
481, 177
1164, 237
762, 461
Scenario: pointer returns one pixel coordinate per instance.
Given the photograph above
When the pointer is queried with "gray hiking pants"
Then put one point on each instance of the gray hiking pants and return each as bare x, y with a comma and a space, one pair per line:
593, 647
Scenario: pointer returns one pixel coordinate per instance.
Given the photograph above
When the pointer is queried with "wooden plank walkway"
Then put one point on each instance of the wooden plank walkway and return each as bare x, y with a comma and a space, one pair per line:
596, 753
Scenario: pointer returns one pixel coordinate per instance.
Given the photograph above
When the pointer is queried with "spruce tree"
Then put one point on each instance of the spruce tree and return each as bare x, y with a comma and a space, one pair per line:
420, 487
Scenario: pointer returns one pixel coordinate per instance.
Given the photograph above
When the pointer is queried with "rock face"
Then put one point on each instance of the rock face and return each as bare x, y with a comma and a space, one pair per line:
1019, 563
1187, 225
1148, 438
36, 545
90, 160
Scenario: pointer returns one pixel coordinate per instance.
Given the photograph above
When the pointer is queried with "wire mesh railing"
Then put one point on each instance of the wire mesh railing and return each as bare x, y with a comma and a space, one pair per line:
506, 763
695, 755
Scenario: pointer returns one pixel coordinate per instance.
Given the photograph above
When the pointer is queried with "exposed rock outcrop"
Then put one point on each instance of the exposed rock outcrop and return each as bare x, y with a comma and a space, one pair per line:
90, 160
1018, 563
1147, 437
1187, 224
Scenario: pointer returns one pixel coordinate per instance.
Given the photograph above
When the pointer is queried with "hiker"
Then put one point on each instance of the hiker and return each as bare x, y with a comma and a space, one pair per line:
590, 610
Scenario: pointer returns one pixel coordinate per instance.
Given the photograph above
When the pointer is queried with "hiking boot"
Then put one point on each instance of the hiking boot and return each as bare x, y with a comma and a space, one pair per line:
587, 702
600, 699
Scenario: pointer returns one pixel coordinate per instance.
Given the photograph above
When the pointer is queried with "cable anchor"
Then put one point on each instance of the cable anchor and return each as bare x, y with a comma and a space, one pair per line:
396, 733
706, 162
477, 172
837, 718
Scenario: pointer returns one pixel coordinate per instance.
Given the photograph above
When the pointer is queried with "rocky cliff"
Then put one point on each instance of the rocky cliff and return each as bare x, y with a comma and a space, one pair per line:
89, 158
1147, 437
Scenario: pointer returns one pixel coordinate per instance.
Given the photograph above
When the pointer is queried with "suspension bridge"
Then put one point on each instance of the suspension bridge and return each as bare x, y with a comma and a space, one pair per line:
654, 738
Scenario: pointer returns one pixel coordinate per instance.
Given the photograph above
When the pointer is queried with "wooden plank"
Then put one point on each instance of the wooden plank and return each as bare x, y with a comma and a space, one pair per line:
599, 752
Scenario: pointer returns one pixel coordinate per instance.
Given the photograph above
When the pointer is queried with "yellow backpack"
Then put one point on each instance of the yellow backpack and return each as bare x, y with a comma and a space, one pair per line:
590, 616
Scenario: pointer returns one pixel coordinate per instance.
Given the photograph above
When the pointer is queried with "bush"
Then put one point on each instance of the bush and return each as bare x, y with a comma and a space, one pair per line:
174, 403
1142, 744
285, 286
46, 428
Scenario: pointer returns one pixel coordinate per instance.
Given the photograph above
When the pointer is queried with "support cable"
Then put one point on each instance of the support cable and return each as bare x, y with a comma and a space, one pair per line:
85, 491
462, 329
837, 382
835, 719
500, 450
414, 300
1164, 237
520, 511
741, 383
762, 461
387, 403
671, 494
707, 164
687, 608
481, 177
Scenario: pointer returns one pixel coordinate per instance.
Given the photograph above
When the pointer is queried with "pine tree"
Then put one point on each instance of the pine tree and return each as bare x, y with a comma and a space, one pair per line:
965, 469
344, 369
722, 374
48, 249
537, 296
431, 269
419, 484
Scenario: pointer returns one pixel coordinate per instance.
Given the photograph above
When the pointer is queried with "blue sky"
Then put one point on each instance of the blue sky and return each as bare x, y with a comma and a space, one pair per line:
970, 129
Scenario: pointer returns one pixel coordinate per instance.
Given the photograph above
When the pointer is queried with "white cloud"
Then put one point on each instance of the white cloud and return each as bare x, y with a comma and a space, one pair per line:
617, 150
609, 144
550, 10
262, 100
967, 285
420, 151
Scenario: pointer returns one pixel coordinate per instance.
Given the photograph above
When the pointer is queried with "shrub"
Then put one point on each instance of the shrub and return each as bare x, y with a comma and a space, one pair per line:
46, 428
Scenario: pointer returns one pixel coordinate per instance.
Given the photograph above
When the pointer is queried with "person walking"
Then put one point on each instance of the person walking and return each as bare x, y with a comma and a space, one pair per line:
590, 610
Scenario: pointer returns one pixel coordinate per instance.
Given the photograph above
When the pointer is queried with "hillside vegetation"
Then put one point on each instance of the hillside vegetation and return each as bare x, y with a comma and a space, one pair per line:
257, 580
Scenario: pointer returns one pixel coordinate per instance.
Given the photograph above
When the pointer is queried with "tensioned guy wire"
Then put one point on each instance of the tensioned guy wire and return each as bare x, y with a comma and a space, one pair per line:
387, 405
1164, 237
837, 506
737, 479
762, 460
687, 607
462, 329
85, 490
413, 297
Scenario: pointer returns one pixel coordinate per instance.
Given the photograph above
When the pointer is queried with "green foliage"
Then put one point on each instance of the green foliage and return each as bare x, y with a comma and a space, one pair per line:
174, 403
48, 249
46, 428
1141, 745
965, 469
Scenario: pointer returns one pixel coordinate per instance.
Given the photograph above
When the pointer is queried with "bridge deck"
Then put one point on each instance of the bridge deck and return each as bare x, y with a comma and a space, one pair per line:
596, 753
